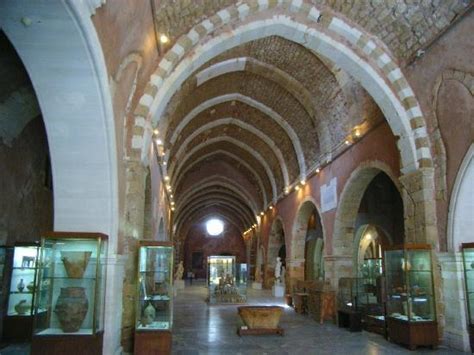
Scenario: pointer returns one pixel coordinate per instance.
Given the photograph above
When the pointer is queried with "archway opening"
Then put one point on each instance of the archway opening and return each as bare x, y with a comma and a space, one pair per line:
314, 247
276, 248
307, 245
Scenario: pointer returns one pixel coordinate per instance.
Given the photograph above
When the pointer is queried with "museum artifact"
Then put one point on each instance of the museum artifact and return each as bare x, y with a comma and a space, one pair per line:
75, 262
260, 320
71, 308
23, 307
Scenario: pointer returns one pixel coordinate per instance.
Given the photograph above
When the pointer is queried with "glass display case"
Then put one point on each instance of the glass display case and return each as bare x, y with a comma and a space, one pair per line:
370, 300
23, 280
411, 316
19, 291
71, 284
155, 286
468, 263
224, 287
154, 310
348, 314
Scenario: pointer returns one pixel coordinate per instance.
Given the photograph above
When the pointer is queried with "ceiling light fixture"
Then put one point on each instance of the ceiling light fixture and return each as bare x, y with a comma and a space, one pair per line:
164, 39
167, 178
159, 141
155, 131
318, 170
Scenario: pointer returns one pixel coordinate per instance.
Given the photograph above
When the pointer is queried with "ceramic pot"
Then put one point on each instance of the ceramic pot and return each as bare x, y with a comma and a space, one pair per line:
22, 307
31, 286
75, 262
71, 308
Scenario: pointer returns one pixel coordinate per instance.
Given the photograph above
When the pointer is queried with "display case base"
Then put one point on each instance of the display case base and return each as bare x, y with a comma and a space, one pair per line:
412, 334
278, 291
17, 328
471, 337
153, 342
67, 344
349, 319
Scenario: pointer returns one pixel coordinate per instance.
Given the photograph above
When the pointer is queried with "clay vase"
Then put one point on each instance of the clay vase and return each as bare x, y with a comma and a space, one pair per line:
22, 307
21, 285
75, 262
71, 308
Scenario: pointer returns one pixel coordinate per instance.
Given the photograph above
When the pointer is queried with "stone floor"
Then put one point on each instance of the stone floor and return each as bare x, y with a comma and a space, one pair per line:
202, 329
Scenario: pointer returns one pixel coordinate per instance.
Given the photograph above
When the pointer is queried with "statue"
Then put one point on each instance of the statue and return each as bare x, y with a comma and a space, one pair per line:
278, 270
283, 274
179, 271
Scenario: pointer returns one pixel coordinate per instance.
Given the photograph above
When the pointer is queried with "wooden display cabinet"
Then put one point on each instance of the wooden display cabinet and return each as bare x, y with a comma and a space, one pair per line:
411, 316
154, 309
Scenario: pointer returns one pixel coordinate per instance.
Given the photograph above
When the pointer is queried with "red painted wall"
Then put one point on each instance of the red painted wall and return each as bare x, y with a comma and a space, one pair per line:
378, 145
198, 240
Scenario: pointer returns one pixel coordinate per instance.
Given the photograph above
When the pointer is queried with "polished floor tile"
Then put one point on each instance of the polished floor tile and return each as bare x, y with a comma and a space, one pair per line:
211, 329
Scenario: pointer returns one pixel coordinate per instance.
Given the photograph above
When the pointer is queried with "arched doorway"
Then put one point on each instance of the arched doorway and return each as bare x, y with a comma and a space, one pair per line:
314, 248
379, 222
276, 248
307, 244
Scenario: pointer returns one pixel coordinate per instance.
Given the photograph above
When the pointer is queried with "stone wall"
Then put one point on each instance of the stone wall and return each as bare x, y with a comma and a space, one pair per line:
26, 195
26, 185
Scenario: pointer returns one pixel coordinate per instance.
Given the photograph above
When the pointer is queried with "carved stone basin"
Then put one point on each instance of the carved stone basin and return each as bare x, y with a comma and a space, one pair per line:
260, 317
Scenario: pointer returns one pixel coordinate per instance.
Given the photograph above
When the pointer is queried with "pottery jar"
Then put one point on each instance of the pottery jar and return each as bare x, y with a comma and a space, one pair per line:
71, 308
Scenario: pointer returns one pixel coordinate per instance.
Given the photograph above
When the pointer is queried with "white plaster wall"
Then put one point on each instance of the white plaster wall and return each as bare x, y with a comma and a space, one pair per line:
59, 47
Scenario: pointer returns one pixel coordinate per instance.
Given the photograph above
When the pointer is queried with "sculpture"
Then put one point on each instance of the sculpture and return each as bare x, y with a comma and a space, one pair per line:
179, 271
278, 270
149, 314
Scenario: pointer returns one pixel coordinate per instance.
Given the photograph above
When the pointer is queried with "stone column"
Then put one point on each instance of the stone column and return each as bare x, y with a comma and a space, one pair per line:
295, 269
133, 228
453, 311
337, 266
420, 207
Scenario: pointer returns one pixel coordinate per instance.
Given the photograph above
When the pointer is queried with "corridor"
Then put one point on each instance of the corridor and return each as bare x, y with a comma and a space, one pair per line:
201, 329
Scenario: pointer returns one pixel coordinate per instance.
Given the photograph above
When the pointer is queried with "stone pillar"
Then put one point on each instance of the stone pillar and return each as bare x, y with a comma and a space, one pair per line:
420, 207
113, 302
295, 271
133, 228
453, 312
337, 266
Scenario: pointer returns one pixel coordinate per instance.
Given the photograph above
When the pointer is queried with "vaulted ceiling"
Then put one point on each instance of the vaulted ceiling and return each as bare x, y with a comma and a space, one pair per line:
260, 117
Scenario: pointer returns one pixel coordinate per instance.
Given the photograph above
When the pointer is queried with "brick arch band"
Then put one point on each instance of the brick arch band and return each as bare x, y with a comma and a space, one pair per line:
347, 46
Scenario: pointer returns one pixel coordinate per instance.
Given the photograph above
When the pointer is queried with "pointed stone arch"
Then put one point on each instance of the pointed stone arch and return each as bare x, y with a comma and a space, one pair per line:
356, 52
